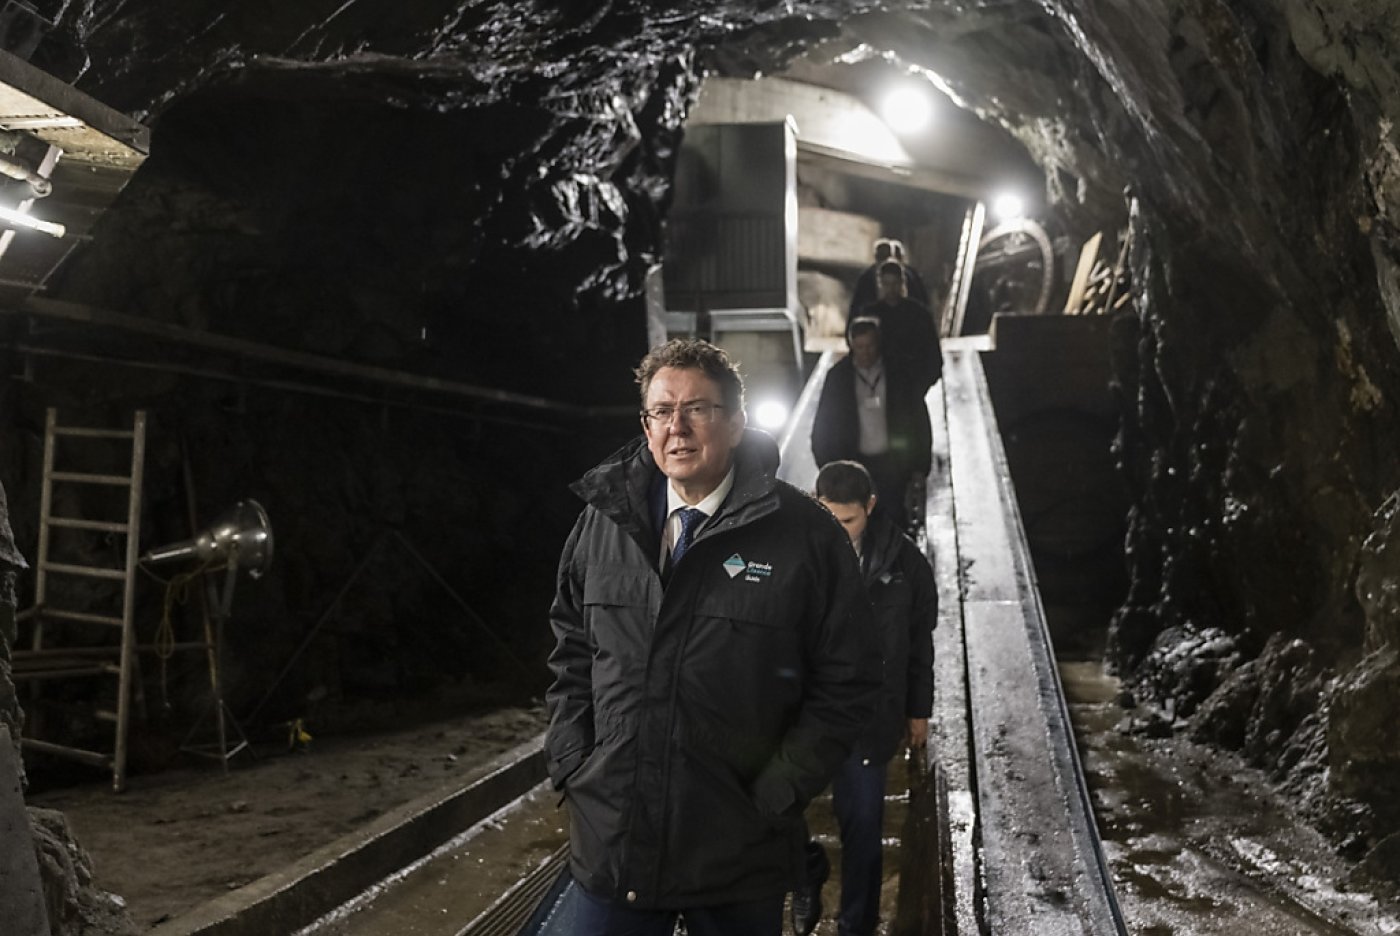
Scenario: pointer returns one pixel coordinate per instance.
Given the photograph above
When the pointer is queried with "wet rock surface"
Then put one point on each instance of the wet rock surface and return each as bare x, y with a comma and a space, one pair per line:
475, 191
75, 904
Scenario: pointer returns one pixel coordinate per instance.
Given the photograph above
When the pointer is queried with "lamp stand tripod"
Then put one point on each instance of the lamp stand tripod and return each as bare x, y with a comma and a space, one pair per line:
221, 605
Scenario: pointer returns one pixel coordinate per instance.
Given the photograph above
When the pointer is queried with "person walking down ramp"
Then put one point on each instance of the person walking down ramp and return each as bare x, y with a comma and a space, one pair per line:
902, 589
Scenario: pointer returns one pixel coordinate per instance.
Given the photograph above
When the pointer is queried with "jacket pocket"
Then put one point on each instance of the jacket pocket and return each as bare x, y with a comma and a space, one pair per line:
617, 586
618, 612
598, 799
754, 609
743, 678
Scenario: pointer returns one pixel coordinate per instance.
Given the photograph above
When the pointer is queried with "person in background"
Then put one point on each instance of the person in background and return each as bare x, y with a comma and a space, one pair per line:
901, 587
872, 411
867, 290
715, 662
910, 336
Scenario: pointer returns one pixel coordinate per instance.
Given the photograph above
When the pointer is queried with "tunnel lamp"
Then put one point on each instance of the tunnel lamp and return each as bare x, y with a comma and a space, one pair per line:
21, 219
1007, 206
771, 415
907, 109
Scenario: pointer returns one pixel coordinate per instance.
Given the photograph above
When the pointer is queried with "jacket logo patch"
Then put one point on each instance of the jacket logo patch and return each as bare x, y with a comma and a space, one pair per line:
751, 571
757, 572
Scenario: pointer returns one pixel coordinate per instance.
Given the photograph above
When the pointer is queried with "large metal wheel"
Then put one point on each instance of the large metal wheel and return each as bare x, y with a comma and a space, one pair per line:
1014, 274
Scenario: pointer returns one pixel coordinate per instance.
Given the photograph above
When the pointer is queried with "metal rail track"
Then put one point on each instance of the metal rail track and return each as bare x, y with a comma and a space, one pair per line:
1041, 863
1020, 852
1023, 851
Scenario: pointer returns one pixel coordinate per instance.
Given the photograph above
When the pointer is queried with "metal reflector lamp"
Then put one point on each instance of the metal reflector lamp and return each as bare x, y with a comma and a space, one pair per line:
241, 538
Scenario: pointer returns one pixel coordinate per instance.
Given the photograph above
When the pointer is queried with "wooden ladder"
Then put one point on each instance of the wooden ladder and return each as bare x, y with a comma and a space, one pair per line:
83, 652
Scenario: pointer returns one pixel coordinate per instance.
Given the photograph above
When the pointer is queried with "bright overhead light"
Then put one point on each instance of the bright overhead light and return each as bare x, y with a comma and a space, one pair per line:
1008, 205
907, 109
771, 415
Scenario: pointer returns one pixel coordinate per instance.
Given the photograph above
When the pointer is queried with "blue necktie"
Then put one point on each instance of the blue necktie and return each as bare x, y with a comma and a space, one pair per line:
690, 521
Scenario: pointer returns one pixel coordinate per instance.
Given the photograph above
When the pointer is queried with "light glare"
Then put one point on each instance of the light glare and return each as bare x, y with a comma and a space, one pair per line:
1008, 205
907, 110
771, 415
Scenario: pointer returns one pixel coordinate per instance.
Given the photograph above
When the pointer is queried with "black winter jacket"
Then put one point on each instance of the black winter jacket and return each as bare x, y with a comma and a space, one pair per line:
867, 289
908, 337
836, 423
902, 590
690, 724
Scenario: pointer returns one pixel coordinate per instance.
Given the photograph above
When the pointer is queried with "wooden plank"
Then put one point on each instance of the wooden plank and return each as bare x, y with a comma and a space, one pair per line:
85, 571
1087, 256
92, 758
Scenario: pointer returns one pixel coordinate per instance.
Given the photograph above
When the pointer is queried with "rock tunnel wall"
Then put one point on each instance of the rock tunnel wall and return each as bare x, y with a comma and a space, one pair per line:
475, 191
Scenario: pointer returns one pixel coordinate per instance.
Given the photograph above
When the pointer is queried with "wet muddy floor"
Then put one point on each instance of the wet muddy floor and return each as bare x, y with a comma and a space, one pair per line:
1197, 843
822, 825
462, 879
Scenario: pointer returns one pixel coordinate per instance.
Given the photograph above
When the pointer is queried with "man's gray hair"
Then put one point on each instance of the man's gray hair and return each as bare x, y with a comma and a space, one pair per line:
698, 354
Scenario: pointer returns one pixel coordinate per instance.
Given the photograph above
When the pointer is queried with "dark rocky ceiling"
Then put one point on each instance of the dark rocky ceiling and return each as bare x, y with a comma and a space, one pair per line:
340, 176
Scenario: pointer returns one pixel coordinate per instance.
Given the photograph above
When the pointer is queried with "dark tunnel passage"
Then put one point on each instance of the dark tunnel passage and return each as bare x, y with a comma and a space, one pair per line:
464, 202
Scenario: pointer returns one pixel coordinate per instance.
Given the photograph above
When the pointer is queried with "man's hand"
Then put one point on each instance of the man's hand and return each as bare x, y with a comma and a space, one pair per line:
918, 733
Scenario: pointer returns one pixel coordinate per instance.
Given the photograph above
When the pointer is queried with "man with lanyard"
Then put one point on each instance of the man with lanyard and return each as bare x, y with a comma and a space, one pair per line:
871, 411
714, 663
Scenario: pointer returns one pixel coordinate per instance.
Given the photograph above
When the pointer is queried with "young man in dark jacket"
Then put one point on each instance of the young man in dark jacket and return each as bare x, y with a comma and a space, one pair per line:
905, 597
714, 665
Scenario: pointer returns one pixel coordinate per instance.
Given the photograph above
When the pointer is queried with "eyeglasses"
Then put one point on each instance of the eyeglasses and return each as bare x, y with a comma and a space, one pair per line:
694, 413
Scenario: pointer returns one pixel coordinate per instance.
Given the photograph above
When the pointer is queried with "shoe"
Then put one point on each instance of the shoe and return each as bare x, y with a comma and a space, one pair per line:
806, 908
807, 899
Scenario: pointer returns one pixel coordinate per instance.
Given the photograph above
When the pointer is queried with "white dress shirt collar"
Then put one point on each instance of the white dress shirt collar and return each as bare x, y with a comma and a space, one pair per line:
708, 506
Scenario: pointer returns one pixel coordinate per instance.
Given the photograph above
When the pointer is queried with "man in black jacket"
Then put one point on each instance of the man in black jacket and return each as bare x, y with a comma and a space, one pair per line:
910, 336
871, 410
715, 662
867, 289
902, 590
